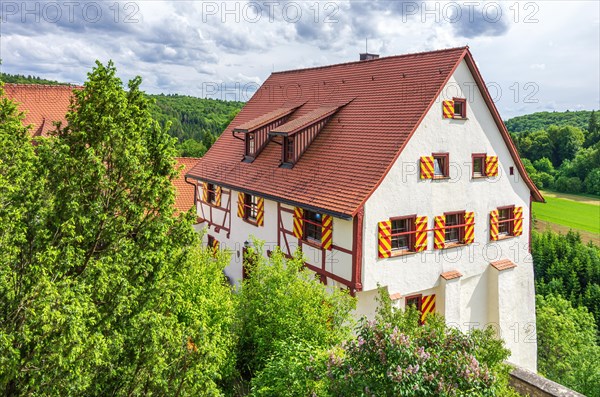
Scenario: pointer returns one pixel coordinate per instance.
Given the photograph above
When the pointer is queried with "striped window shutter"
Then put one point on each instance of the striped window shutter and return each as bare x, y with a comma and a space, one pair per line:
385, 239
427, 307
491, 166
421, 233
241, 211
218, 194
205, 192
440, 232
215, 247
518, 221
494, 225
448, 109
327, 232
298, 222
427, 167
469, 227
260, 211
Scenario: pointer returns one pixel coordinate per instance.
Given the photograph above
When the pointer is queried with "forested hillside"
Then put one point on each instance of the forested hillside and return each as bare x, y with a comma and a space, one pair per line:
561, 151
195, 122
543, 120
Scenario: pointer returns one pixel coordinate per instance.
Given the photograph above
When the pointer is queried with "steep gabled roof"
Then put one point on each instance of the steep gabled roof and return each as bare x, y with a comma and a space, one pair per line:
358, 146
42, 104
184, 192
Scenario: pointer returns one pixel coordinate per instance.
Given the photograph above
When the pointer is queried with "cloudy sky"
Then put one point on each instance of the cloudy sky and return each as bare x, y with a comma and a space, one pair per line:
534, 55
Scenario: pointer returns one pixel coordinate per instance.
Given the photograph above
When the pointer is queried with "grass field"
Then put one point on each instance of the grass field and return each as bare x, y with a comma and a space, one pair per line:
581, 213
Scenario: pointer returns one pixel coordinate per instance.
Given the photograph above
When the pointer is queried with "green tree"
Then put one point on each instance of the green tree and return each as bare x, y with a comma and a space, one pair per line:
544, 165
537, 145
102, 290
281, 303
592, 182
567, 348
593, 131
566, 142
191, 148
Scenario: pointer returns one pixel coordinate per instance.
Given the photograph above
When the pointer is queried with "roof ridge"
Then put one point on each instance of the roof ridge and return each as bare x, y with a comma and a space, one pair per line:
65, 85
466, 47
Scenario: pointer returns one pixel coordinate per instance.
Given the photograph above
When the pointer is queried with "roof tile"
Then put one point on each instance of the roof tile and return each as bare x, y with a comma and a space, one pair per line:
503, 264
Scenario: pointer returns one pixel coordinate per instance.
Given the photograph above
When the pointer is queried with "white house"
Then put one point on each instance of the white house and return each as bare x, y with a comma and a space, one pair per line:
393, 171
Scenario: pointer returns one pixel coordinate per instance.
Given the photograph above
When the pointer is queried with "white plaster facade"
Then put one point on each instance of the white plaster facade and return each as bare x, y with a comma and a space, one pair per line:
483, 295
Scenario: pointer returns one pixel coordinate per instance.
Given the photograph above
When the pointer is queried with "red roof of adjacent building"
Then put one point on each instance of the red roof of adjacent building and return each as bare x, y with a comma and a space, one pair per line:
387, 99
184, 192
42, 104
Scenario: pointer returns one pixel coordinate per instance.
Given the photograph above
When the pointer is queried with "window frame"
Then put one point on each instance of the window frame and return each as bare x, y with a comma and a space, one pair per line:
463, 110
305, 225
511, 221
249, 207
211, 193
210, 241
418, 298
446, 170
481, 157
460, 228
410, 234
250, 143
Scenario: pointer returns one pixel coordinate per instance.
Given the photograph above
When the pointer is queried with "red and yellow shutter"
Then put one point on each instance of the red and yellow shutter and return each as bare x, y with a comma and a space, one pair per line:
241, 211
420, 233
385, 239
439, 232
260, 211
218, 194
327, 232
215, 247
448, 109
298, 222
491, 166
205, 192
427, 306
469, 227
426, 167
518, 221
494, 225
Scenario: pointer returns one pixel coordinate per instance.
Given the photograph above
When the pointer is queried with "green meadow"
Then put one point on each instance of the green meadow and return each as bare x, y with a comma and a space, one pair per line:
580, 213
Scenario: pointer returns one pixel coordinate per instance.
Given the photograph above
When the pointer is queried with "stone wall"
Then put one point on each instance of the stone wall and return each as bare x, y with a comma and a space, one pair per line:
528, 383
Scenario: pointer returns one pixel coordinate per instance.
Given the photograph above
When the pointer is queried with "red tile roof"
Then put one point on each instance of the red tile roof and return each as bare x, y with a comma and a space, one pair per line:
297, 124
42, 104
503, 264
184, 192
355, 150
450, 275
264, 119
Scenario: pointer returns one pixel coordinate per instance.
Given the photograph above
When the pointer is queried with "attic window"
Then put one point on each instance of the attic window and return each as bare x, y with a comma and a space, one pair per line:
288, 150
460, 108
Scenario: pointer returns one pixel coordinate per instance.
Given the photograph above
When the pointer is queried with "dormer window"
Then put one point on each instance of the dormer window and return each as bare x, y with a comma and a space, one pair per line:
250, 144
288, 150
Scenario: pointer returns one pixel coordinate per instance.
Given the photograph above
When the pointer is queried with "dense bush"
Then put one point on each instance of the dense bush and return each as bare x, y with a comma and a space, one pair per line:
568, 352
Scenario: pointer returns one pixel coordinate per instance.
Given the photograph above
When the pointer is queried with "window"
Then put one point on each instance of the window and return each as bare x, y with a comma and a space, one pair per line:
288, 154
478, 165
211, 241
211, 197
414, 301
250, 145
313, 221
440, 165
454, 227
250, 207
505, 221
402, 236
460, 108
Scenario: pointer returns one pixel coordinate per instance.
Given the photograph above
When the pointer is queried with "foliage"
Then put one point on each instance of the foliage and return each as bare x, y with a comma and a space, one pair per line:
102, 291
21, 79
568, 352
570, 140
395, 356
190, 118
543, 120
191, 148
592, 182
565, 266
282, 301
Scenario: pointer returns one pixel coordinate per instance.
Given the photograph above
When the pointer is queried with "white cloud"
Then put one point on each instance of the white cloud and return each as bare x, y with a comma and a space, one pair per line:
186, 46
